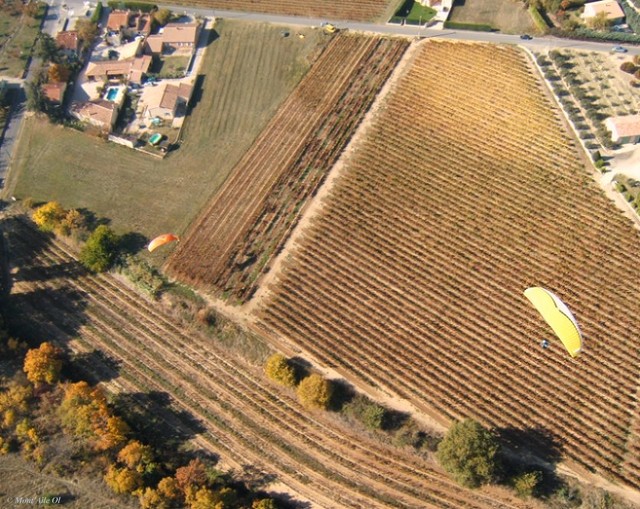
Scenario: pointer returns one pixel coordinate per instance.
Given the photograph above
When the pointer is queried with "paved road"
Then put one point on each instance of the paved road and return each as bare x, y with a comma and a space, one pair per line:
539, 43
51, 26
57, 13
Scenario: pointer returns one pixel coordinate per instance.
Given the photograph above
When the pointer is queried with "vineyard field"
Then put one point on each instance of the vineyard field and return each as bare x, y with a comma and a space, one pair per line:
245, 419
230, 245
354, 10
411, 277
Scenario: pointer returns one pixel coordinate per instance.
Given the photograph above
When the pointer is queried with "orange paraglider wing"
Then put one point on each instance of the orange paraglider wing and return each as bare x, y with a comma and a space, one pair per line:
161, 241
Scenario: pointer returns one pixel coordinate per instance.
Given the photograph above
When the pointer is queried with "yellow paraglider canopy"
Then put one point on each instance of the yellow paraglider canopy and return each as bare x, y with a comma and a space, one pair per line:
558, 316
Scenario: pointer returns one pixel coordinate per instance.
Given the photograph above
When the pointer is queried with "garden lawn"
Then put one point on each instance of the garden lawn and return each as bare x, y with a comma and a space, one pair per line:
248, 70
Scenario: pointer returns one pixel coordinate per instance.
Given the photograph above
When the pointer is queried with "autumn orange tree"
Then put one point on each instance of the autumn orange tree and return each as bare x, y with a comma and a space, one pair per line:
58, 73
48, 216
84, 411
43, 364
279, 370
137, 457
314, 392
122, 480
15, 401
73, 221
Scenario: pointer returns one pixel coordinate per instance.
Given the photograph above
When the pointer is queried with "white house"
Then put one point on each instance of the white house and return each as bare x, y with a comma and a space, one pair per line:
625, 129
444, 5
611, 8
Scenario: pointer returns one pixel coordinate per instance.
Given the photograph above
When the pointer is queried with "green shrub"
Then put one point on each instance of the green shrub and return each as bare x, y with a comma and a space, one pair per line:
134, 6
628, 67
365, 411
527, 484
97, 13
470, 453
143, 275
101, 249
314, 392
279, 370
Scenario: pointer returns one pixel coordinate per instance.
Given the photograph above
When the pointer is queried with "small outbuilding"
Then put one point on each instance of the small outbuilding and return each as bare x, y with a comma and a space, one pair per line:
611, 8
625, 129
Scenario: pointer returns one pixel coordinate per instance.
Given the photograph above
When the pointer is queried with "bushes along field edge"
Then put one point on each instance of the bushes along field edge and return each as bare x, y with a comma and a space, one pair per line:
538, 19
476, 27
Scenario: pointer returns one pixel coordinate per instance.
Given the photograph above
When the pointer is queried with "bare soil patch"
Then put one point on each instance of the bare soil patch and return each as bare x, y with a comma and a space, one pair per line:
508, 16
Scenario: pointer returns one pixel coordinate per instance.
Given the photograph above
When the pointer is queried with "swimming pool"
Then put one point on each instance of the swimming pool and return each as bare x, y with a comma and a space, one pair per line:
112, 93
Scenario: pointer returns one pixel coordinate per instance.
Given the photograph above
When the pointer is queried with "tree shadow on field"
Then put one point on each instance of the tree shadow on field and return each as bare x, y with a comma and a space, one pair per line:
132, 242
197, 93
155, 421
63, 270
342, 393
531, 444
286, 501
301, 367
94, 367
46, 313
91, 220
528, 450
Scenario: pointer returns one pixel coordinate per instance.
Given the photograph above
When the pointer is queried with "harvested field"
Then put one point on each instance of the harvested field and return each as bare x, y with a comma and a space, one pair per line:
355, 10
235, 237
248, 70
411, 278
246, 420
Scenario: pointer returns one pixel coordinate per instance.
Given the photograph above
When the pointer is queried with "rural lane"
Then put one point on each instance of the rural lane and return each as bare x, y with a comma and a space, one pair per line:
18, 106
537, 43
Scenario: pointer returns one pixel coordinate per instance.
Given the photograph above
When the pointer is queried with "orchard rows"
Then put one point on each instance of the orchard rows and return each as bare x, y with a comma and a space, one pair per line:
465, 192
248, 421
248, 221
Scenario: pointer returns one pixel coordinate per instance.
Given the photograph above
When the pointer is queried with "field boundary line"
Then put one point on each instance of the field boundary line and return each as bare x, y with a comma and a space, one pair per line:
246, 314
315, 205
614, 196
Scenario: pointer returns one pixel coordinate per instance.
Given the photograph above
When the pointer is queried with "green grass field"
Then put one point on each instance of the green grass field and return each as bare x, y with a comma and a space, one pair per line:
17, 34
249, 70
414, 12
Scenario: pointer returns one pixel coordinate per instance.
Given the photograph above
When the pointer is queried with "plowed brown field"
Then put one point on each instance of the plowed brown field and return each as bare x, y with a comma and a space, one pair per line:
233, 240
247, 421
466, 191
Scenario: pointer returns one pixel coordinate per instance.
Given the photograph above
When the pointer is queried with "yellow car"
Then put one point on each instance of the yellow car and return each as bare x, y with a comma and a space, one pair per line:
329, 28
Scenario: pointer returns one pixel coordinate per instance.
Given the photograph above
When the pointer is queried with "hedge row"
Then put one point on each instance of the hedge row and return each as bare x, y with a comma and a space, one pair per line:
95, 17
586, 34
632, 17
134, 6
469, 26
538, 19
